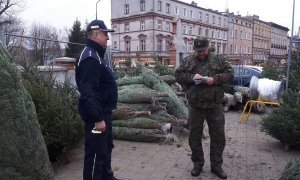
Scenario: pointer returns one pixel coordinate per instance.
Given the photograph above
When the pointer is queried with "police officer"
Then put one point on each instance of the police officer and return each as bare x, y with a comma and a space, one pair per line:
98, 97
204, 75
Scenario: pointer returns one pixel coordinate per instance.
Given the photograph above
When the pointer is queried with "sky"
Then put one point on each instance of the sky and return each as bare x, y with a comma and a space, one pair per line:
62, 13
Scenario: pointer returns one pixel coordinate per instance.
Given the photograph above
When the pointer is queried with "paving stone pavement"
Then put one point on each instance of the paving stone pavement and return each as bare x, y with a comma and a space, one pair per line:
249, 154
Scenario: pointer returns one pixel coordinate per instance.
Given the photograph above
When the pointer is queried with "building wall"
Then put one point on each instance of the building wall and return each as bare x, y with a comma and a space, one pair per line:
173, 22
279, 43
246, 40
240, 39
261, 40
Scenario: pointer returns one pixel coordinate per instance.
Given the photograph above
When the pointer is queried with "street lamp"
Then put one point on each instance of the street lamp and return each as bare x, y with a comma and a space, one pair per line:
290, 49
96, 8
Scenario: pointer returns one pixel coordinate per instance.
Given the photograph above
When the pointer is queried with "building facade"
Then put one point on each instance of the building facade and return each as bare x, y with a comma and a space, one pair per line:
279, 43
162, 27
145, 29
239, 39
261, 40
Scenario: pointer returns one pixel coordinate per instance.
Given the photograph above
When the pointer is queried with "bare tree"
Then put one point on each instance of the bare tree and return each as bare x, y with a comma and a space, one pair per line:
9, 9
45, 45
14, 44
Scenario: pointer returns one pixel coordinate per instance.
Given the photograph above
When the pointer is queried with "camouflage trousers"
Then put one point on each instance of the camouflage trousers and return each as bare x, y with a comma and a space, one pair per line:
216, 122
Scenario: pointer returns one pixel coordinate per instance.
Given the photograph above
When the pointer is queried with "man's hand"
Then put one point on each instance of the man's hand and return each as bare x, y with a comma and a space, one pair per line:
209, 81
100, 126
197, 76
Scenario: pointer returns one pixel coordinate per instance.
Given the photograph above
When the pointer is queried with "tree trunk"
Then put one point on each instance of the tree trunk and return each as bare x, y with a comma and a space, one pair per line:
131, 80
175, 105
125, 112
169, 79
141, 95
137, 107
167, 118
23, 152
138, 122
133, 86
139, 80
139, 135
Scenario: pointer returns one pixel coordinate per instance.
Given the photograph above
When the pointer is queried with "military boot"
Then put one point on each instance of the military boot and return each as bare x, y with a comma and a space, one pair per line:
196, 171
219, 172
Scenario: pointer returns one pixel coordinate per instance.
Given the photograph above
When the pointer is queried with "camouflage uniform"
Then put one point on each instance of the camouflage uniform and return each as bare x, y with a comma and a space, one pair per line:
205, 104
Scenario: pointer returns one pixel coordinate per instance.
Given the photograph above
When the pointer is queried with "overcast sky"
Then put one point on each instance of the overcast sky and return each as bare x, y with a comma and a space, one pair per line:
62, 13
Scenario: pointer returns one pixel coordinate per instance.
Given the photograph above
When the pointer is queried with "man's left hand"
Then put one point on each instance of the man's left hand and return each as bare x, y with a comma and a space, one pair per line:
209, 81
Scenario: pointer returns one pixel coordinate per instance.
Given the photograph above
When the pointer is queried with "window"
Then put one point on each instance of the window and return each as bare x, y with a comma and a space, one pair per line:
241, 35
143, 5
176, 10
191, 14
231, 33
190, 30
218, 35
184, 12
159, 25
235, 49
224, 22
142, 45
219, 22
235, 34
126, 8
212, 34
206, 17
200, 16
159, 6
225, 35
115, 45
213, 45
159, 45
190, 46
168, 8
199, 31
224, 49
127, 45
127, 27
167, 26
231, 49
184, 30
206, 32
142, 24
115, 28
213, 19
168, 46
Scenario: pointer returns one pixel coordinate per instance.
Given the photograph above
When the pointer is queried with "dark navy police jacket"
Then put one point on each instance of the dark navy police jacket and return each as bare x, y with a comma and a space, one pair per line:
96, 83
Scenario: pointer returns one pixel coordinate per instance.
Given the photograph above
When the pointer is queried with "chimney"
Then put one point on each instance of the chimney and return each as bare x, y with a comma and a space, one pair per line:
194, 3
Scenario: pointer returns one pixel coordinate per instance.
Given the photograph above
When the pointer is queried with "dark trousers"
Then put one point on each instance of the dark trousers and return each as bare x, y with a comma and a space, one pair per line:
98, 148
215, 121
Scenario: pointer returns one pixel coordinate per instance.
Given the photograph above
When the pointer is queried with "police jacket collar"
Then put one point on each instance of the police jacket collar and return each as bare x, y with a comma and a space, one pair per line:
92, 44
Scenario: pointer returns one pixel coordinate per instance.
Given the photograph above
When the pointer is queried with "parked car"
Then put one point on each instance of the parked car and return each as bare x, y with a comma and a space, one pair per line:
243, 75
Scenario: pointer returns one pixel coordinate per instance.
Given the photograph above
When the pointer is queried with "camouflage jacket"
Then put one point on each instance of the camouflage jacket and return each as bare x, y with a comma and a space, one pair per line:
202, 95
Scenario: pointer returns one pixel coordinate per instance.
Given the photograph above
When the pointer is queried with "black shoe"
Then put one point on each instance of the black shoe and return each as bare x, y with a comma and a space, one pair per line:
219, 172
196, 171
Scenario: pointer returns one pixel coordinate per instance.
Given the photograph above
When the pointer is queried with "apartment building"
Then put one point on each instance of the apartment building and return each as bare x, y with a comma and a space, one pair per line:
261, 40
164, 27
279, 43
239, 39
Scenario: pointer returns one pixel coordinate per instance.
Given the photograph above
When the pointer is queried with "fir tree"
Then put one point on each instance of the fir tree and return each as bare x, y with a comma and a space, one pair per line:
270, 71
294, 78
77, 35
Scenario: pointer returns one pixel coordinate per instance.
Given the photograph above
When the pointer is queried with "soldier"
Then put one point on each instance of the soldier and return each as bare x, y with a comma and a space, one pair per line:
204, 75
